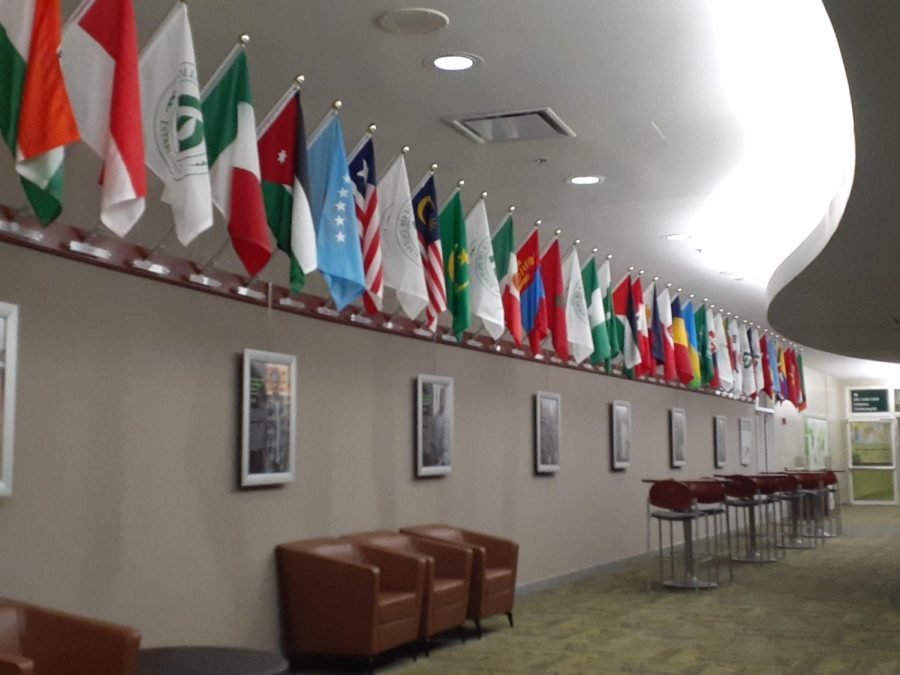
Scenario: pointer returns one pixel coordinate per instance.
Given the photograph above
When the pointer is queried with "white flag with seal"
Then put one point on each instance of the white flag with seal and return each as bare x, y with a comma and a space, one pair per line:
578, 323
174, 135
403, 269
484, 288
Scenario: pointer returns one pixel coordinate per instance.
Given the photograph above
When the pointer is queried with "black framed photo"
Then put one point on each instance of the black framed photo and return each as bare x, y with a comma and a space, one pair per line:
547, 418
269, 430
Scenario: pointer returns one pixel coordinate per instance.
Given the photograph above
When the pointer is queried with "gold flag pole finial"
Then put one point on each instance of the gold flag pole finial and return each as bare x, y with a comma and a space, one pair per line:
460, 183
336, 104
512, 208
299, 80
484, 195
595, 249
433, 168
557, 232
244, 39
405, 149
372, 128
609, 256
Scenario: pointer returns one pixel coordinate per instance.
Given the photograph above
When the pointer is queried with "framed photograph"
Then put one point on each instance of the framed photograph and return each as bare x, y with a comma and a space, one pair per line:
745, 440
269, 430
815, 443
434, 425
719, 424
547, 418
677, 437
621, 434
9, 334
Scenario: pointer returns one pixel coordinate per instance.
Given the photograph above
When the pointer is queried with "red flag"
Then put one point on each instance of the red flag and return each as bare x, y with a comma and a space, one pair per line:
766, 367
647, 365
554, 288
532, 300
100, 62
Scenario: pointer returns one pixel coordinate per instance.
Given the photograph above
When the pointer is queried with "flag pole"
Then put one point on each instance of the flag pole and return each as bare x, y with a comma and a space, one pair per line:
537, 225
362, 141
333, 112
506, 215
146, 263
459, 185
220, 71
428, 174
273, 114
556, 234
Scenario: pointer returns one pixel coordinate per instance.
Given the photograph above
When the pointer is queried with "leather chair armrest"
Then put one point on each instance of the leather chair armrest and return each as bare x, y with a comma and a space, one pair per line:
499, 552
13, 664
399, 571
450, 562
87, 645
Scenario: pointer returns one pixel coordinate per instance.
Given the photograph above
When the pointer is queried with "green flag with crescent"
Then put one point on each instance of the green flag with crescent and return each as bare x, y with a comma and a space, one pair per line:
455, 248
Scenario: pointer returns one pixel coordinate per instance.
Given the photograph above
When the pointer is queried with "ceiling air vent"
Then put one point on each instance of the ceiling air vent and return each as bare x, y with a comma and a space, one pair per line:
511, 125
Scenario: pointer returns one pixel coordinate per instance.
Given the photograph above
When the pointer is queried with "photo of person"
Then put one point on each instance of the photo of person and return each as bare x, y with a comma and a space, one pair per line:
547, 421
435, 425
269, 418
621, 434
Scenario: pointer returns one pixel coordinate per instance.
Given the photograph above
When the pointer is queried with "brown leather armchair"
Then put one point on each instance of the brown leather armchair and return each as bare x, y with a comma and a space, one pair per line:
38, 641
494, 563
448, 574
342, 598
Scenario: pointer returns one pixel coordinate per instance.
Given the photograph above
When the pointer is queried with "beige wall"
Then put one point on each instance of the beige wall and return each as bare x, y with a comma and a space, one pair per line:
126, 505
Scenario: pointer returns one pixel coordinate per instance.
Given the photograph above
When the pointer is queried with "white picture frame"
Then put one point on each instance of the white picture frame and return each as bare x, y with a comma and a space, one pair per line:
620, 431
677, 437
269, 418
720, 440
9, 340
434, 425
745, 440
547, 432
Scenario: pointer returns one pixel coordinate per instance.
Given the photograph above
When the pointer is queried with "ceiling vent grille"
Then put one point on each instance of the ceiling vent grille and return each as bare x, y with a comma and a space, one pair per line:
512, 125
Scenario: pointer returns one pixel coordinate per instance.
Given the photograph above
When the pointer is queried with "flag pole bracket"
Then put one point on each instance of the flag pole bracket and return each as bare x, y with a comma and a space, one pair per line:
204, 280
247, 292
327, 309
448, 337
147, 265
423, 332
85, 247
11, 226
359, 317
291, 302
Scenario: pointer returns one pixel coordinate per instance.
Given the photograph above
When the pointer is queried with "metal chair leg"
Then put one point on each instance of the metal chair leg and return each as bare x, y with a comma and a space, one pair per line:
510, 617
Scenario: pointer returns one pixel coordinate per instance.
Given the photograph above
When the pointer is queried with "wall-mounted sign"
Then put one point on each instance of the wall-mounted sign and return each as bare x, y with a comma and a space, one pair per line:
869, 401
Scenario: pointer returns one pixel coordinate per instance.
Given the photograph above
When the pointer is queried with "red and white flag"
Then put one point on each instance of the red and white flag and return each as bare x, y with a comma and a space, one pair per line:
365, 194
100, 63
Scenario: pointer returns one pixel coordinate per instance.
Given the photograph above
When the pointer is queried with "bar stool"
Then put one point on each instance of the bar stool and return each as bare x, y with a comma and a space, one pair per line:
815, 497
790, 499
757, 510
678, 503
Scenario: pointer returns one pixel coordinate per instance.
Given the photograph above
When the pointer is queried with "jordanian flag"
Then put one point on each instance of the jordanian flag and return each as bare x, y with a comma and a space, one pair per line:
36, 120
234, 161
456, 262
285, 184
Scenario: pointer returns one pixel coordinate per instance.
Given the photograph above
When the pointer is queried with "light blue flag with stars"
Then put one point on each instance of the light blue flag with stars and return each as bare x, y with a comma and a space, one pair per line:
334, 213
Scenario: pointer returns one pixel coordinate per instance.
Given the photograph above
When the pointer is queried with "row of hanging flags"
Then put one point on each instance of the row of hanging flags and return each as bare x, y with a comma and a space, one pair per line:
327, 211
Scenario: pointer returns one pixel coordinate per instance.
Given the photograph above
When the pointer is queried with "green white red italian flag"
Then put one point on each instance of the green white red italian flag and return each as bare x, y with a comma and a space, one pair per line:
36, 120
234, 160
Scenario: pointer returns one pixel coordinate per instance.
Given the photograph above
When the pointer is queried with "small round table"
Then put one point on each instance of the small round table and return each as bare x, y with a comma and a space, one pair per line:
209, 661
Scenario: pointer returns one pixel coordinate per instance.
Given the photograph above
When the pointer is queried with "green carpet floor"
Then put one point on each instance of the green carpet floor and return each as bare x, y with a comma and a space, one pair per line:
834, 609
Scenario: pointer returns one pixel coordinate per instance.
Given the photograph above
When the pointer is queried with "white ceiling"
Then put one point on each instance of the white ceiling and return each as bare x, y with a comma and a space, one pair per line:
609, 68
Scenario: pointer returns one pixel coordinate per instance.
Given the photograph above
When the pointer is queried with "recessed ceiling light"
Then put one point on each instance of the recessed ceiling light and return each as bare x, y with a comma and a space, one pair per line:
585, 180
677, 236
413, 21
454, 62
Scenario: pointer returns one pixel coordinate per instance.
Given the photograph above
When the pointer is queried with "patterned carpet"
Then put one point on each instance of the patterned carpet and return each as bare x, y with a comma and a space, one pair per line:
834, 609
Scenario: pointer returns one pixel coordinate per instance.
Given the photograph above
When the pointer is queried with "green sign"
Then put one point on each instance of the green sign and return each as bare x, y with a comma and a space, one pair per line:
869, 401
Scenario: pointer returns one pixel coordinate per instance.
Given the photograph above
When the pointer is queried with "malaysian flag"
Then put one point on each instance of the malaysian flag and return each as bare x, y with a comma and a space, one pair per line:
424, 204
365, 194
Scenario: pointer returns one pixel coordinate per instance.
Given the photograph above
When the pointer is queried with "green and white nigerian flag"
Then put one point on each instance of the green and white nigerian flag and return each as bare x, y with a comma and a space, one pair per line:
596, 312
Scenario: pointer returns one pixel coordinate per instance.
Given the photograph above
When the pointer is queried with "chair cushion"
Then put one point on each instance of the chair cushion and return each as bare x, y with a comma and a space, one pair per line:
497, 580
449, 592
394, 606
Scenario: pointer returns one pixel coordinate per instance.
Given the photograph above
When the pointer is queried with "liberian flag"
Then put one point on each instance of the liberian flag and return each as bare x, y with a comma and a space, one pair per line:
36, 119
100, 62
555, 289
365, 194
424, 204
234, 160
507, 265
284, 171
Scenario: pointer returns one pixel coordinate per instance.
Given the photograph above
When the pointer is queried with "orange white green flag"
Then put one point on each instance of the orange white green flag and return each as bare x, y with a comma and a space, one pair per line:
36, 119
